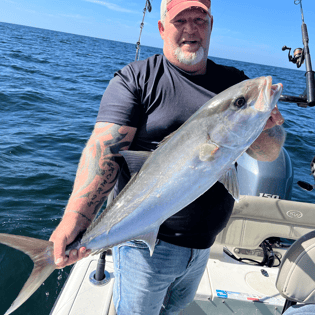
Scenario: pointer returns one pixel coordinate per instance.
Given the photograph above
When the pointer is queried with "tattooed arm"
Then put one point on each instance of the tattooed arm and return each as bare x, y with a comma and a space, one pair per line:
268, 145
96, 176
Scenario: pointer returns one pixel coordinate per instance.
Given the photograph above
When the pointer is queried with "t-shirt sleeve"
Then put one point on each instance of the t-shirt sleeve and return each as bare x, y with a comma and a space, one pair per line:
243, 76
221, 77
120, 103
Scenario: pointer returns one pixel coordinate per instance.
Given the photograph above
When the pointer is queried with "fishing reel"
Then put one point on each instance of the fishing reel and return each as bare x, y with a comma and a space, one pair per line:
307, 99
298, 55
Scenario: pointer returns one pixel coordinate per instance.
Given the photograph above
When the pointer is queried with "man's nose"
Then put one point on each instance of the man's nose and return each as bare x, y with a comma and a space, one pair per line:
190, 27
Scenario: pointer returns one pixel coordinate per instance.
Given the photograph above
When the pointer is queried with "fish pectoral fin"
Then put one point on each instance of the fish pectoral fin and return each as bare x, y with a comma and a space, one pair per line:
41, 252
230, 182
135, 159
207, 151
149, 239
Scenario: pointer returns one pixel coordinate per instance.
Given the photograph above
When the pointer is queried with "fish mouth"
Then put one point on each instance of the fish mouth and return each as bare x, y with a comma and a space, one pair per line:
267, 100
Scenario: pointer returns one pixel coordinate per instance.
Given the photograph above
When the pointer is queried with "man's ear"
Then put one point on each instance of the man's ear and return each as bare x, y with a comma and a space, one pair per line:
161, 29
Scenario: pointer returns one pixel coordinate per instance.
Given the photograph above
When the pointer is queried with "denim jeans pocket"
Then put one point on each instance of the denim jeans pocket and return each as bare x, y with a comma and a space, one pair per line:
138, 244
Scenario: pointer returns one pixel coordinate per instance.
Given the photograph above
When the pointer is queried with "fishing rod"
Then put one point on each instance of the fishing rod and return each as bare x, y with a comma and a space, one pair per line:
307, 99
148, 7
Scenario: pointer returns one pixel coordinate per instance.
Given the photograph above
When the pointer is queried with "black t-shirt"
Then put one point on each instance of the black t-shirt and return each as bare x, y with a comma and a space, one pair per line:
157, 97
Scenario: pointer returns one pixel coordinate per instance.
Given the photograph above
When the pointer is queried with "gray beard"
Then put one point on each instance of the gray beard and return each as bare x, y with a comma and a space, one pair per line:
189, 59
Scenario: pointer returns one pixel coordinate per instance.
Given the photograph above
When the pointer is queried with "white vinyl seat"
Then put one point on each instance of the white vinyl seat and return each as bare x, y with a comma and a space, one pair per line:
296, 277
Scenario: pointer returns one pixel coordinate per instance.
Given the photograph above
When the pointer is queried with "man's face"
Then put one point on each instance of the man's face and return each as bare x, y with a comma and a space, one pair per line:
186, 39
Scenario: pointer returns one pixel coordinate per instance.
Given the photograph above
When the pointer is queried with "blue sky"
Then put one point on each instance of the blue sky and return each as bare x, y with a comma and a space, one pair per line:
245, 30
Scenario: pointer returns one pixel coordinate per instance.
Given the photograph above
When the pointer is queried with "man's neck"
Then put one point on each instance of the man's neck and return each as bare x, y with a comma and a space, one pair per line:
197, 69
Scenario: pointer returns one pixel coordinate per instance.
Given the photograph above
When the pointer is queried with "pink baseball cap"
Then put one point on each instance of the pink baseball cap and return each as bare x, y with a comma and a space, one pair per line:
174, 7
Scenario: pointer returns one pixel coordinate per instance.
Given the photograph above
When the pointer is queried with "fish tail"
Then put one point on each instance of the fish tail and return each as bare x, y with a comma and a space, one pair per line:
41, 252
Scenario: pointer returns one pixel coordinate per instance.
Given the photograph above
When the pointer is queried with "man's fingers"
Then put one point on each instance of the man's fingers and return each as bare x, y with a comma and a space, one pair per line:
74, 256
275, 119
59, 251
276, 116
83, 252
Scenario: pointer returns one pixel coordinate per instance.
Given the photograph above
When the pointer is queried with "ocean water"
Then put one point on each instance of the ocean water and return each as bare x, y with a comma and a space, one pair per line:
51, 84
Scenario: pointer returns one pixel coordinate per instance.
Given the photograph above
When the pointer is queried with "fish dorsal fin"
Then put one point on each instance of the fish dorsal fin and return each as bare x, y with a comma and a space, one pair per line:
135, 159
230, 182
149, 239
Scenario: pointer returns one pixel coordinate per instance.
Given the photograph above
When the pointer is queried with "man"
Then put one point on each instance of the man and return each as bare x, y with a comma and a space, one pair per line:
300, 309
144, 102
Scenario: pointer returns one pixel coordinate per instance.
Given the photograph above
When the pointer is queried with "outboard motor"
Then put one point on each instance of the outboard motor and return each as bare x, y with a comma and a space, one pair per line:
266, 179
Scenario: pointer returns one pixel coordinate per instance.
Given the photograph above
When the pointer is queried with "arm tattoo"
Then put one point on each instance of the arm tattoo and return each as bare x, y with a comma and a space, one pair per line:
278, 133
84, 216
268, 144
100, 166
256, 152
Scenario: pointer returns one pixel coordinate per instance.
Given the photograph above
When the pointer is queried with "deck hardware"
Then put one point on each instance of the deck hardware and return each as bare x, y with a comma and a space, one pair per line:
100, 276
99, 282
264, 272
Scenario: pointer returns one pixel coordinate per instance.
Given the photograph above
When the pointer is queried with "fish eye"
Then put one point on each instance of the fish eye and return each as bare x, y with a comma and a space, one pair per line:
240, 102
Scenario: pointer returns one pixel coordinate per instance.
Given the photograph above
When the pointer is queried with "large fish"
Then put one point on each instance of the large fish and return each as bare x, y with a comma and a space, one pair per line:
184, 166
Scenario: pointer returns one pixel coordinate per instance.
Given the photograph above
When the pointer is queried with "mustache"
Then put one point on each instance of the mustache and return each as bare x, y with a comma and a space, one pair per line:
193, 39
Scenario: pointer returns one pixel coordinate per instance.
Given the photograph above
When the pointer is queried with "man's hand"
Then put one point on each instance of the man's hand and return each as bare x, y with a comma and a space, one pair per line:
274, 119
65, 234
268, 145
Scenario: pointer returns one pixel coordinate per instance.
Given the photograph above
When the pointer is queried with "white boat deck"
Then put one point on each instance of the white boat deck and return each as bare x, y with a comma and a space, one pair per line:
227, 286
224, 278
80, 296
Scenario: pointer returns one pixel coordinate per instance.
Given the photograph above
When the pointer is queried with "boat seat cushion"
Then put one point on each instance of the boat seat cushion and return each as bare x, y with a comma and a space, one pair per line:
255, 219
296, 277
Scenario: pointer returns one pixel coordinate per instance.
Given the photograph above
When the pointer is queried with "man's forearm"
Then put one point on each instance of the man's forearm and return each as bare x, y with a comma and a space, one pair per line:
98, 169
268, 145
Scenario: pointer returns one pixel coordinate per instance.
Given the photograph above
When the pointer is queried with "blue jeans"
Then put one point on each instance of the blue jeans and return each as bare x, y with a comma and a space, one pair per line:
162, 284
308, 309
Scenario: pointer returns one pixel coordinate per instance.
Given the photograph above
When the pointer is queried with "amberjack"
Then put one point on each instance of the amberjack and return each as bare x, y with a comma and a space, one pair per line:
183, 167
